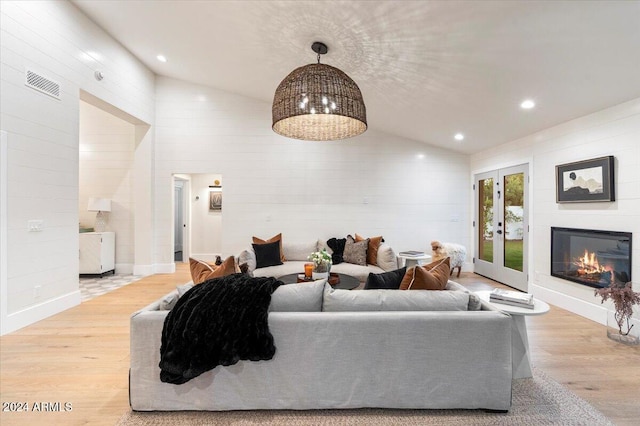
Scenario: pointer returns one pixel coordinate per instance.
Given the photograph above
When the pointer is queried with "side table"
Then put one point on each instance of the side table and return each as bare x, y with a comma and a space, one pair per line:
414, 260
520, 354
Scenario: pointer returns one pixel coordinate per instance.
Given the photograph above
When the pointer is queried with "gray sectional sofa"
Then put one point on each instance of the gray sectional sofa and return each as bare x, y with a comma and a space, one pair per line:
296, 255
346, 349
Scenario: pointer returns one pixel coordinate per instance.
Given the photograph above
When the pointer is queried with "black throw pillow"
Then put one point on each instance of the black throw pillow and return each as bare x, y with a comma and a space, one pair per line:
337, 246
389, 280
267, 254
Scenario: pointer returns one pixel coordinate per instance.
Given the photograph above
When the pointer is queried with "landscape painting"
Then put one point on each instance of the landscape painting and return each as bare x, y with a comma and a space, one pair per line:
586, 181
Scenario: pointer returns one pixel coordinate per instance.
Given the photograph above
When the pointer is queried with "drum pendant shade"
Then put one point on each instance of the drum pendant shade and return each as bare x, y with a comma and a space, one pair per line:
318, 102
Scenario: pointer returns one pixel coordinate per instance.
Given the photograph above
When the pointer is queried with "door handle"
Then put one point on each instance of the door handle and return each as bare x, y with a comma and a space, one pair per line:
499, 231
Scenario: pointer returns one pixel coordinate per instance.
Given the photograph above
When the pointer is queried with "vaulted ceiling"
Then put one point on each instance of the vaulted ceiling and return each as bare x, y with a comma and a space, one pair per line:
427, 69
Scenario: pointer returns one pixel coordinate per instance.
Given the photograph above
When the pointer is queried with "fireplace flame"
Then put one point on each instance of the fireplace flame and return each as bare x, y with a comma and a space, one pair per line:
588, 265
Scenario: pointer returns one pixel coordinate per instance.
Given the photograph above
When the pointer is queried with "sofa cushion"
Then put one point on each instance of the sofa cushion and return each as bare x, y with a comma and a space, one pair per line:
393, 300
267, 254
475, 303
169, 301
358, 271
202, 271
302, 297
433, 276
372, 249
299, 251
388, 280
356, 252
337, 249
275, 238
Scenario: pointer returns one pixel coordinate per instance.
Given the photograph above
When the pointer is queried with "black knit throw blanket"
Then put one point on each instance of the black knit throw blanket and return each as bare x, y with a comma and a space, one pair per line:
218, 322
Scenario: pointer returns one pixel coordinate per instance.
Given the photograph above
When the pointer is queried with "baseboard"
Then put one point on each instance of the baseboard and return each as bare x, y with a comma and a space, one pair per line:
156, 268
580, 307
597, 313
124, 268
143, 270
39, 312
164, 268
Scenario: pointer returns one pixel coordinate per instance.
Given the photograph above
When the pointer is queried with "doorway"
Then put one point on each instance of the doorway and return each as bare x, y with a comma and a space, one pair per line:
502, 225
180, 219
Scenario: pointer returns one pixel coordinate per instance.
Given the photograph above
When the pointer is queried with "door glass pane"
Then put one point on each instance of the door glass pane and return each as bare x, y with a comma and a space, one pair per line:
485, 220
513, 217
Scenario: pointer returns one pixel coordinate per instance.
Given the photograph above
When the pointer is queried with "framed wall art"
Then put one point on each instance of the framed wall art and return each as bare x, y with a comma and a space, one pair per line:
586, 181
215, 198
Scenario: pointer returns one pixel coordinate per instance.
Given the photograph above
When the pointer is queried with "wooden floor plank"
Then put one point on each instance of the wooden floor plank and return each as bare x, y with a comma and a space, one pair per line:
81, 356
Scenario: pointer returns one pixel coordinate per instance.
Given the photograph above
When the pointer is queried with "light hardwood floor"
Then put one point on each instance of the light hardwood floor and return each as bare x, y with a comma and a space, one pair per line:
81, 357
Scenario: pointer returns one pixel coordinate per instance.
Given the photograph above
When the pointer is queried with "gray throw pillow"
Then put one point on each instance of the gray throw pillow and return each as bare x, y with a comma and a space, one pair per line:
356, 253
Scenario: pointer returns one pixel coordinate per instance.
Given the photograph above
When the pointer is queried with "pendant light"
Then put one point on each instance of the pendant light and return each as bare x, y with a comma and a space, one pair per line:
318, 102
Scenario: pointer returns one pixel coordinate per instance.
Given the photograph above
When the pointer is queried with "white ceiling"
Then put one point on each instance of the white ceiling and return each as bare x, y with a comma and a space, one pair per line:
427, 69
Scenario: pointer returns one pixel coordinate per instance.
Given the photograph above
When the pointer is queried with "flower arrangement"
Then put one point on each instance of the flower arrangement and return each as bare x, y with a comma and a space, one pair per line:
623, 298
321, 260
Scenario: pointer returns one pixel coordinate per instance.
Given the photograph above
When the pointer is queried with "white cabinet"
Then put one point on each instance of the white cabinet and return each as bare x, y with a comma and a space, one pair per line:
97, 252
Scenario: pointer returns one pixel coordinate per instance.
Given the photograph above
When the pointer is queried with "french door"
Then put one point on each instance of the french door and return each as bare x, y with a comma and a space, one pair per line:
501, 225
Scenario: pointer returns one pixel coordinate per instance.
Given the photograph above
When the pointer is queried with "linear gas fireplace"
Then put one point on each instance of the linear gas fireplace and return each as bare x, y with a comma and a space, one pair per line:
590, 257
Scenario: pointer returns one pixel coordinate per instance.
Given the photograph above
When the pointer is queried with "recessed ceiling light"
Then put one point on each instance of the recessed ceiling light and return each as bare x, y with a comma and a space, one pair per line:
527, 104
458, 136
162, 58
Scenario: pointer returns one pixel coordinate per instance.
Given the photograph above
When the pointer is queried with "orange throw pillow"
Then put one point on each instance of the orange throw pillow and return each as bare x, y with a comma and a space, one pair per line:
273, 239
433, 276
202, 271
372, 250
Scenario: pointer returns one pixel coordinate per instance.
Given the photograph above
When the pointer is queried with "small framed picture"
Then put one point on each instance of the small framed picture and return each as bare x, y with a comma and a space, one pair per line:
215, 198
586, 181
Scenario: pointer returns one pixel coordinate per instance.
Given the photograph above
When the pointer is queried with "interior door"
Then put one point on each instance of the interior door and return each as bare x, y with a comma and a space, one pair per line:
178, 217
502, 226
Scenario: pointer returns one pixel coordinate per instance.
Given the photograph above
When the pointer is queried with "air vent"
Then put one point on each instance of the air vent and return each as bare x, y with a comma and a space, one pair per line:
42, 84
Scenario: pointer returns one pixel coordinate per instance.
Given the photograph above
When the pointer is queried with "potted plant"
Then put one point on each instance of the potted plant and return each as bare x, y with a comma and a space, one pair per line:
623, 298
321, 264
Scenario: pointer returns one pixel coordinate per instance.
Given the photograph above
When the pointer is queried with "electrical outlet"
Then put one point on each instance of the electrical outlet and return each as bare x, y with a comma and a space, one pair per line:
36, 291
35, 225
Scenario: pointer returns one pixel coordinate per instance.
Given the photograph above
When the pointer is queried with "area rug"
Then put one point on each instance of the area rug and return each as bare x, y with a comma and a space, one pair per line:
536, 401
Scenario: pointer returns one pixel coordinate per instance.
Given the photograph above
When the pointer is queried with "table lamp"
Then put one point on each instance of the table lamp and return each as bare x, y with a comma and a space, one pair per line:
100, 205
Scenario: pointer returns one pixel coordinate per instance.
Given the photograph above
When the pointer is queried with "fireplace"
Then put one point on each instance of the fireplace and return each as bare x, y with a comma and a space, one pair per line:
590, 257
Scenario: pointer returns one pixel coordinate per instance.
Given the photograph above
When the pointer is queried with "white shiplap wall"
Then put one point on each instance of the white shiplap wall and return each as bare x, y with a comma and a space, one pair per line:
56, 40
107, 145
374, 184
614, 131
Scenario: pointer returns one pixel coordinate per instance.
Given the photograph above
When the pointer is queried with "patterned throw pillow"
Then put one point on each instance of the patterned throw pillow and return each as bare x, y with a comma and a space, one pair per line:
372, 250
356, 252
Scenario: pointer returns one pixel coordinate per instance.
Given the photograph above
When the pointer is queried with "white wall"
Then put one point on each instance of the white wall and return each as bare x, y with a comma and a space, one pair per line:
374, 184
614, 131
56, 40
107, 145
206, 225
